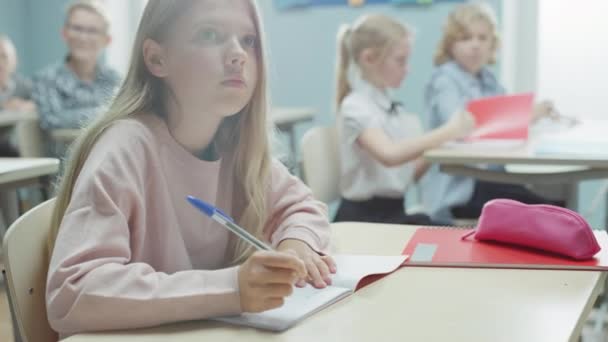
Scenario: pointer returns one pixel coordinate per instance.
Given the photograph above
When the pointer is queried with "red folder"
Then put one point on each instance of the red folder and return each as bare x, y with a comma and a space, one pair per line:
501, 117
443, 247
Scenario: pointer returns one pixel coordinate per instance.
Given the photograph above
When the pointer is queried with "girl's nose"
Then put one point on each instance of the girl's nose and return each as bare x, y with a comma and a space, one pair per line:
236, 55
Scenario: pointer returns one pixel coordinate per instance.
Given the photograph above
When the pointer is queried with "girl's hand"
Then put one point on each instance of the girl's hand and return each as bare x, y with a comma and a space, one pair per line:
544, 109
461, 124
19, 105
318, 267
266, 278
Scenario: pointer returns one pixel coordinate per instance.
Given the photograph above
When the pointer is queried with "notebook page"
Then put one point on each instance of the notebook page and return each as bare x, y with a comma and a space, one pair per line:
302, 303
308, 300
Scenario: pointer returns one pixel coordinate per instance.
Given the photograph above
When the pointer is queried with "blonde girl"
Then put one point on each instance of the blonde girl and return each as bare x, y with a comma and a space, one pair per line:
190, 119
380, 154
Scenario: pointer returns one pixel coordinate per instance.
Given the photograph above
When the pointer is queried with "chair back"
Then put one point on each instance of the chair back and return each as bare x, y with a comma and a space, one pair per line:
321, 163
26, 262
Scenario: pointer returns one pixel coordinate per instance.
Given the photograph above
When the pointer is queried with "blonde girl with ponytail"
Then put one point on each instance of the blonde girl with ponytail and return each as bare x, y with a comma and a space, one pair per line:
380, 155
189, 119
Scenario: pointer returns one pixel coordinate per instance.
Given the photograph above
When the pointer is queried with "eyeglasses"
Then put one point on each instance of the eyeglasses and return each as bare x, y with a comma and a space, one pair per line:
85, 30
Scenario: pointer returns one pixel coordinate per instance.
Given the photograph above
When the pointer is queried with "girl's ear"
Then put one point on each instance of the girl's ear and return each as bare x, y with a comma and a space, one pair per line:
154, 58
368, 57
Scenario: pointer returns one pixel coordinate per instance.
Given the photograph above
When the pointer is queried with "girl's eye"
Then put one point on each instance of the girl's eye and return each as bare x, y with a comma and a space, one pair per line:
208, 35
467, 36
250, 41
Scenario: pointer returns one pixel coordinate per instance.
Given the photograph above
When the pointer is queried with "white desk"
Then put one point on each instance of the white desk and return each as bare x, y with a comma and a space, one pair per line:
18, 172
15, 172
418, 304
285, 119
9, 119
457, 160
29, 138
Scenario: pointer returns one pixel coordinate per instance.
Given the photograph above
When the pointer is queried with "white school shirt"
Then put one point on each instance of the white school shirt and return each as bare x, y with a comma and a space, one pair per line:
362, 176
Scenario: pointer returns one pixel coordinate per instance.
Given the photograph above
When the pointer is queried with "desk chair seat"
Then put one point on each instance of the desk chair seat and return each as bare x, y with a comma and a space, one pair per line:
26, 263
321, 163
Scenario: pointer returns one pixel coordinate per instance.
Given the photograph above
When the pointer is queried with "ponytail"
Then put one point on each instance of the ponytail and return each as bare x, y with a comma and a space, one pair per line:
343, 64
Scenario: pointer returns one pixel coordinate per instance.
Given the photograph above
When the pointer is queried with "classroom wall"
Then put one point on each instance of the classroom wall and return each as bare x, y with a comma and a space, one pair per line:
12, 24
43, 21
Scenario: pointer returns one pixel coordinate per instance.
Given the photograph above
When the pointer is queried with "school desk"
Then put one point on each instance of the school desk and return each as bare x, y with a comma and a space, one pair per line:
10, 118
548, 169
417, 304
285, 119
18, 172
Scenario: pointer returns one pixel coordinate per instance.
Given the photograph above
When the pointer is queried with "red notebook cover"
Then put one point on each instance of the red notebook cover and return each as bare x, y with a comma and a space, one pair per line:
501, 117
443, 247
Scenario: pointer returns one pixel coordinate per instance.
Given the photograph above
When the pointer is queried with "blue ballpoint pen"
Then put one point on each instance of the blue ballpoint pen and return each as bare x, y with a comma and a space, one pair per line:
226, 221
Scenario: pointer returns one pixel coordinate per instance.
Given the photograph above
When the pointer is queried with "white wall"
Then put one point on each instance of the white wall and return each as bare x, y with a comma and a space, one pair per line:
573, 56
519, 52
125, 18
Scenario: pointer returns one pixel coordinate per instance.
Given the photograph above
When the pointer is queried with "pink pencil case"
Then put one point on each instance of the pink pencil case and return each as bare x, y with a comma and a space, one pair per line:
544, 227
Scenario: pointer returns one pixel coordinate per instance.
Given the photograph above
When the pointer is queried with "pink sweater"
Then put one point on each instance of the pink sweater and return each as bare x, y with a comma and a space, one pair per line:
131, 252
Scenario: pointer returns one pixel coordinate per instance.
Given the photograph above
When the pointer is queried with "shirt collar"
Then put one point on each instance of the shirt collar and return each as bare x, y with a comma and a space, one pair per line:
380, 97
485, 79
67, 72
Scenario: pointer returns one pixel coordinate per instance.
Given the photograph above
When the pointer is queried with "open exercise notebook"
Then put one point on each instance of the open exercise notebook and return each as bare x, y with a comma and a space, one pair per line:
308, 300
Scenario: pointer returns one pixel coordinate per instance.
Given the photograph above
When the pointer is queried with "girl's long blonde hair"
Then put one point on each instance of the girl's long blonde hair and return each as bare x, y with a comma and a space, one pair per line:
242, 138
376, 31
457, 27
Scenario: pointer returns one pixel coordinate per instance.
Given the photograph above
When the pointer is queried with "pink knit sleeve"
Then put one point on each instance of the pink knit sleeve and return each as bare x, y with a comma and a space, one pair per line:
294, 213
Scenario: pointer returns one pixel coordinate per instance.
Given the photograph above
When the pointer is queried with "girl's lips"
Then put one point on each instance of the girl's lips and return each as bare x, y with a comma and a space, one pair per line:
236, 83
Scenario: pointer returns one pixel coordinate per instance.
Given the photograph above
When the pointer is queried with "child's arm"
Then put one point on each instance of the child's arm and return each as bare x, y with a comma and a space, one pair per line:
92, 269
294, 213
394, 153
299, 224
389, 152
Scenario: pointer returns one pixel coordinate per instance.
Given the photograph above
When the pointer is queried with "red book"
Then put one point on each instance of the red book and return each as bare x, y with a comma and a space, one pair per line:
502, 117
443, 247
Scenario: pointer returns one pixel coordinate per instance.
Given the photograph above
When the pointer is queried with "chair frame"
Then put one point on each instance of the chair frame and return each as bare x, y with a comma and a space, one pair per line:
25, 273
